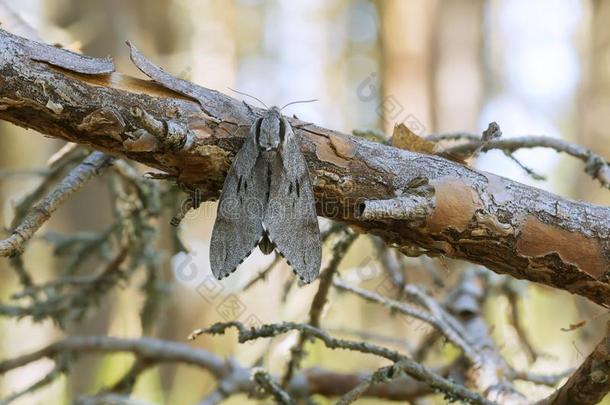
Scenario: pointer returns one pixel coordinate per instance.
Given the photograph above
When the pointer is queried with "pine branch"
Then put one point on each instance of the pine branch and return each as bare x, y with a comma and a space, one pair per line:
190, 134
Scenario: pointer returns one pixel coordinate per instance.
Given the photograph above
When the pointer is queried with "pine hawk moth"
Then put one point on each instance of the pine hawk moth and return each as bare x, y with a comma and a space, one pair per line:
267, 200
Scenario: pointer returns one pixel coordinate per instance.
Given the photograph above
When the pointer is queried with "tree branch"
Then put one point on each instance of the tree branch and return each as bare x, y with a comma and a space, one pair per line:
508, 227
421, 373
591, 382
438, 322
232, 377
42, 211
595, 165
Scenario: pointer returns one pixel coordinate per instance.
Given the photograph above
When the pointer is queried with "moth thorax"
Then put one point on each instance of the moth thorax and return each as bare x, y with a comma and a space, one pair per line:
269, 133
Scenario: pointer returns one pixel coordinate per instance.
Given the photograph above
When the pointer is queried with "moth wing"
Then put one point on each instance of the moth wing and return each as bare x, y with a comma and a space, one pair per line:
290, 218
241, 208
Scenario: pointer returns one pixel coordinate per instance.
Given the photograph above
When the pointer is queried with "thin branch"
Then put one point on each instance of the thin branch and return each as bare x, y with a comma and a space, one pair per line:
74, 304
415, 370
595, 165
126, 383
58, 164
339, 251
390, 260
319, 301
401, 388
438, 311
367, 335
426, 345
512, 289
42, 211
58, 370
493, 375
231, 376
262, 275
382, 375
153, 350
267, 383
109, 399
433, 319
550, 380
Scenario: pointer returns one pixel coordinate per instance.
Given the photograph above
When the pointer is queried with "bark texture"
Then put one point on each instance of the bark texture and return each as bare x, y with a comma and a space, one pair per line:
190, 134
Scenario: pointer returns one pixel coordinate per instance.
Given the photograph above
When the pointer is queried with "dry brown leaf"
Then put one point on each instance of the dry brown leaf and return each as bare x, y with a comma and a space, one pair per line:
404, 138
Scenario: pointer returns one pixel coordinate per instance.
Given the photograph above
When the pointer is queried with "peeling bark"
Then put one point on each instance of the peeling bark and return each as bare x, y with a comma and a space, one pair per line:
191, 134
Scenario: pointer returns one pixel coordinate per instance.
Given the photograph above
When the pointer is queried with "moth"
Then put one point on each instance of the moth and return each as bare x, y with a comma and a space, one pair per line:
267, 201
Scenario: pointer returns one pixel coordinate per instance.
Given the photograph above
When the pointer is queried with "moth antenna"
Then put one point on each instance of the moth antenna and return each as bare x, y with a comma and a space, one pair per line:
249, 95
299, 102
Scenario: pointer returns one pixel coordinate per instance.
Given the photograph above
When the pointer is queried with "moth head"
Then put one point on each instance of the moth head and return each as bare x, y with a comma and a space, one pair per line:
270, 130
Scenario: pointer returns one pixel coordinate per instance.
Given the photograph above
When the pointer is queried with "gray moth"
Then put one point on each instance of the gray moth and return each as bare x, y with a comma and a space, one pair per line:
267, 201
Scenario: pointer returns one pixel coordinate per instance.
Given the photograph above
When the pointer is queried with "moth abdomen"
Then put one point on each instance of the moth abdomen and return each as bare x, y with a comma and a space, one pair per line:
266, 245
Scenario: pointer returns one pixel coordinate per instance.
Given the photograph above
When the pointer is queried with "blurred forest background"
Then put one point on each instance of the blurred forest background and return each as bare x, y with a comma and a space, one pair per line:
535, 67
